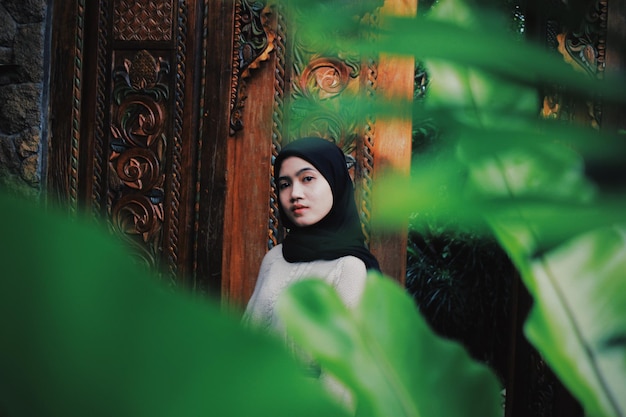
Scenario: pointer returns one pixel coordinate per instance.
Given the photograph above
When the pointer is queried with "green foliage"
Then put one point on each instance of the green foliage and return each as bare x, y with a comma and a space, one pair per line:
578, 318
85, 331
539, 186
461, 282
386, 354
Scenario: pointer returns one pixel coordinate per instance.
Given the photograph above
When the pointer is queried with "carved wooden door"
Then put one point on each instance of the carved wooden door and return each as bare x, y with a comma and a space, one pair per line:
139, 104
167, 116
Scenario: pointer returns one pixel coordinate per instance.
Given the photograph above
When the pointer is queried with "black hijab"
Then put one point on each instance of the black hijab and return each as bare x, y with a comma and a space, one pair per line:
339, 233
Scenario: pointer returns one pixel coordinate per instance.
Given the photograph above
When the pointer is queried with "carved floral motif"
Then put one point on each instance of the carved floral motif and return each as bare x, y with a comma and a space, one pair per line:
584, 50
325, 78
142, 21
137, 151
254, 40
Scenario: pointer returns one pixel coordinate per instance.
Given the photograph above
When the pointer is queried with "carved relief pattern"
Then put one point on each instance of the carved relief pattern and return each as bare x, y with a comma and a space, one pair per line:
584, 49
316, 89
254, 40
323, 78
138, 145
366, 156
274, 234
99, 137
321, 81
200, 136
143, 21
176, 162
76, 101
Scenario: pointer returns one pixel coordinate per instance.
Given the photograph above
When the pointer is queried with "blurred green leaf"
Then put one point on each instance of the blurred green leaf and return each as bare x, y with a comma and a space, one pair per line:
545, 190
85, 331
578, 319
386, 354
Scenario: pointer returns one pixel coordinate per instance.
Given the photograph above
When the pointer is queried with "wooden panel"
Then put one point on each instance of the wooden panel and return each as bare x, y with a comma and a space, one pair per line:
65, 56
247, 205
248, 171
215, 90
127, 143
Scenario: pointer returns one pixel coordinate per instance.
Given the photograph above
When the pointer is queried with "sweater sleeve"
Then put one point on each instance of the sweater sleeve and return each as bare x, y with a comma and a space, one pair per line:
350, 280
259, 307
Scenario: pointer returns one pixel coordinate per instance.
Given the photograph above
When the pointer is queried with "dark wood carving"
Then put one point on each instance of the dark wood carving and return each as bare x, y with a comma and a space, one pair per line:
143, 21
584, 48
137, 155
365, 155
76, 107
253, 42
175, 181
101, 116
322, 76
280, 85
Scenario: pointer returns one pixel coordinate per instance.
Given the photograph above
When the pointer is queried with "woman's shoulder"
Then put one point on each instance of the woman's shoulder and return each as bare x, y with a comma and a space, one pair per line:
348, 268
272, 256
354, 263
275, 253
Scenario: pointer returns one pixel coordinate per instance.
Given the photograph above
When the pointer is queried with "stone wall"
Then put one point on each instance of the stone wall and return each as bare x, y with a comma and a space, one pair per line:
22, 84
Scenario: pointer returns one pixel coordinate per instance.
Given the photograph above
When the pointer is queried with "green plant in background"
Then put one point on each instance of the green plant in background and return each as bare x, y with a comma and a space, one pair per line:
462, 282
529, 181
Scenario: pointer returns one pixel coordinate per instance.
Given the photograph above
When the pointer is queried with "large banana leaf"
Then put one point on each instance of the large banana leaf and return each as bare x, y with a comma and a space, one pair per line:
528, 181
386, 354
578, 319
84, 331
572, 259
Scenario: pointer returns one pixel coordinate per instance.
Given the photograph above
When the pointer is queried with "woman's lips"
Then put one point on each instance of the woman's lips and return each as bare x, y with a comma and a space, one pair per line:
298, 209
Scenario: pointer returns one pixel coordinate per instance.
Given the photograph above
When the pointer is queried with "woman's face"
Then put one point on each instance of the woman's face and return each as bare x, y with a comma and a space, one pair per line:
304, 193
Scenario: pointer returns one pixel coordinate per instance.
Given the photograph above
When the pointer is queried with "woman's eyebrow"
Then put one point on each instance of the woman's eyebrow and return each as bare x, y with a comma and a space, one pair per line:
304, 170
300, 171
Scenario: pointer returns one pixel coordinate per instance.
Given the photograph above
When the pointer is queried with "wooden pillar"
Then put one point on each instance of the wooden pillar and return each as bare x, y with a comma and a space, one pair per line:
392, 146
248, 173
248, 178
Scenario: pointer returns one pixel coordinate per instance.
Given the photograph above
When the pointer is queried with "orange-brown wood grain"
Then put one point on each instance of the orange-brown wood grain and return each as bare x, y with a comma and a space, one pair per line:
248, 189
392, 145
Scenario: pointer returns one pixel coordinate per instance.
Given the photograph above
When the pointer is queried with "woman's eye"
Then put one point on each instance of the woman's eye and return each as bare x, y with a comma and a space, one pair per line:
308, 179
283, 185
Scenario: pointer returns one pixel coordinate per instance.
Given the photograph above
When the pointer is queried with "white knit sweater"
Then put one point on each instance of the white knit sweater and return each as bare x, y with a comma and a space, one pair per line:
346, 274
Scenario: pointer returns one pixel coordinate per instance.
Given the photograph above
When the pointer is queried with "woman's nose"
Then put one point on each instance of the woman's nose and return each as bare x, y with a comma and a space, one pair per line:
296, 191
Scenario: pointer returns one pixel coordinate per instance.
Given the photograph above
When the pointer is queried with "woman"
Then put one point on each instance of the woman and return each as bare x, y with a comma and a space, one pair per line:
324, 237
